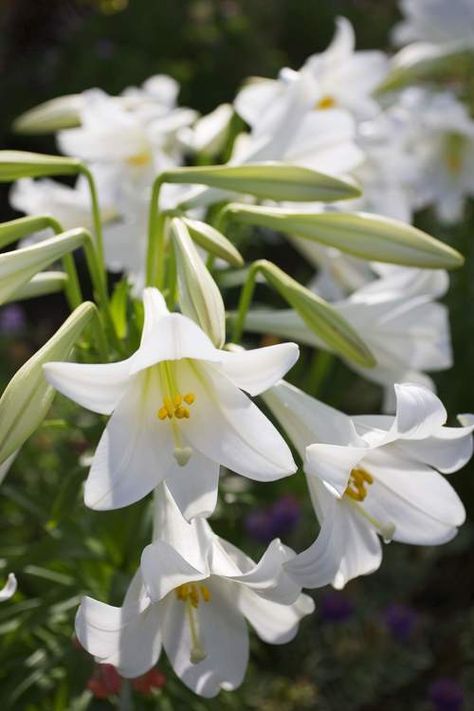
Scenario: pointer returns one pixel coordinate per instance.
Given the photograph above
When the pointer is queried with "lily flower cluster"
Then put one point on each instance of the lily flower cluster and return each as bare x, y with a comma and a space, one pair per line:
155, 358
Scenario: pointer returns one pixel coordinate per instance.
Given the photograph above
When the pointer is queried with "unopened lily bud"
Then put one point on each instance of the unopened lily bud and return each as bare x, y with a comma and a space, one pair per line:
22, 164
199, 297
28, 396
213, 241
51, 116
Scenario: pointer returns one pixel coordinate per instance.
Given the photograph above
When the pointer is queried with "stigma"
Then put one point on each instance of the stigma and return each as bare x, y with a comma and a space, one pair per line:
359, 480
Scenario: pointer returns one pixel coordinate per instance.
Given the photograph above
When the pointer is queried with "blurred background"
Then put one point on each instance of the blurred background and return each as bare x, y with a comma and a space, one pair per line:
403, 637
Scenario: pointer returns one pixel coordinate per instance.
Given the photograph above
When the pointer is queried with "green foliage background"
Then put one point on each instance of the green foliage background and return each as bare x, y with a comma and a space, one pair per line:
58, 548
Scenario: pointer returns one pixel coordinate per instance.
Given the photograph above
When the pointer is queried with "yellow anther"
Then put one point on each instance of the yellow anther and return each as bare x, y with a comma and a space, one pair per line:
358, 482
326, 102
139, 160
174, 407
206, 595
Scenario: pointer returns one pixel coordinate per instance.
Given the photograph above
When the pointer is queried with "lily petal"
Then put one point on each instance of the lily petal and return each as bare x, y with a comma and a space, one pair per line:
230, 429
97, 387
419, 412
274, 623
256, 370
224, 638
332, 464
164, 570
9, 589
131, 644
194, 487
134, 453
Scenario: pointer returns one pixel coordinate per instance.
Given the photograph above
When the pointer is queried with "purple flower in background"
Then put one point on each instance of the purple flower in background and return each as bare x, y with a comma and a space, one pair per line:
401, 621
335, 606
275, 521
446, 695
12, 319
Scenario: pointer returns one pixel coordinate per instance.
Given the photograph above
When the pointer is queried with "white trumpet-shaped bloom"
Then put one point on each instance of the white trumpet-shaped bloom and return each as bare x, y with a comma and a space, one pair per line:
192, 596
396, 316
436, 22
373, 475
178, 412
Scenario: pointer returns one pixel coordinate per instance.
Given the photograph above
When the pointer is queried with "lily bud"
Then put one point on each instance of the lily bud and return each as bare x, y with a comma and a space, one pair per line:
213, 242
319, 316
372, 237
50, 116
19, 266
40, 285
27, 398
199, 297
22, 164
267, 181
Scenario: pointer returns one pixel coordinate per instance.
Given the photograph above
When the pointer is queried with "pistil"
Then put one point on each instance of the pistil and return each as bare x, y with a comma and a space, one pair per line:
192, 594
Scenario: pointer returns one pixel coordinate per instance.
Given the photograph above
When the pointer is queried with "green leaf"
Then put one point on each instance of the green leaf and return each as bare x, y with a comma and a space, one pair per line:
21, 164
267, 181
363, 235
51, 116
318, 315
19, 266
213, 241
27, 398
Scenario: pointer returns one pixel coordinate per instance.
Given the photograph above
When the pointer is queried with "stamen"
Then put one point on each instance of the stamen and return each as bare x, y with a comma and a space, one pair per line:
191, 594
326, 102
139, 160
358, 482
386, 530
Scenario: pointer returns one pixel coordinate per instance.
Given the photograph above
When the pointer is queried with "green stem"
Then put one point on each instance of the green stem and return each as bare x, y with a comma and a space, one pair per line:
245, 300
156, 239
72, 288
95, 215
126, 698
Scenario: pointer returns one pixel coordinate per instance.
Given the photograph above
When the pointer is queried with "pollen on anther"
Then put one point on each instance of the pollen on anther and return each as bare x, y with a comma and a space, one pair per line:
189, 398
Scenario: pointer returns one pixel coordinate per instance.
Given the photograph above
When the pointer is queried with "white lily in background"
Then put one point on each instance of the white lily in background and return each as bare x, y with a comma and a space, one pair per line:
193, 594
396, 316
178, 412
339, 78
441, 140
372, 475
209, 133
436, 22
9, 589
139, 143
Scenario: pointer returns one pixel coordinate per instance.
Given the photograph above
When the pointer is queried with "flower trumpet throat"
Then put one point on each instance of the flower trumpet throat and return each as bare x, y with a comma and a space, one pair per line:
192, 594
359, 480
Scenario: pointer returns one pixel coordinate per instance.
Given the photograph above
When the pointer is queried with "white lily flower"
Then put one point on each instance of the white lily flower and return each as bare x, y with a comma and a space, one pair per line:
139, 143
9, 589
339, 78
192, 595
373, 475
397, 318
441, 141
436, 22
178, 412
